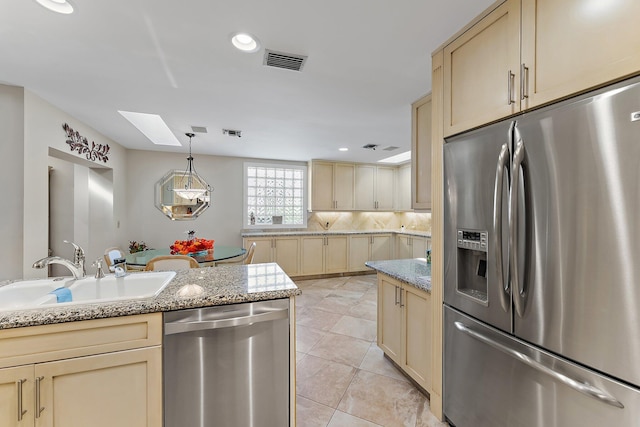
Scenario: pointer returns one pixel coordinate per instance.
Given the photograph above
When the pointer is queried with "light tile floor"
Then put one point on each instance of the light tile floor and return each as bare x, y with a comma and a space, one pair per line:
343, 378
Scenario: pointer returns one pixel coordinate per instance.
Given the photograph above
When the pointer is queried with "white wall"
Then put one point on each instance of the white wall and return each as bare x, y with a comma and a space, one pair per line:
43, 132
221, 222
11, 172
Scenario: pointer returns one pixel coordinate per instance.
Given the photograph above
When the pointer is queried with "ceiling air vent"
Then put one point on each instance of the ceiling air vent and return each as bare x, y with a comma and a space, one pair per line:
287, 61
370, 146
390, 148
232, 132
199, 129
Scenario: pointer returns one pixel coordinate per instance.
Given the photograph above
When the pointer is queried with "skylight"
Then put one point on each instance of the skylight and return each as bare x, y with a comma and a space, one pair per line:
398, 158
152, 126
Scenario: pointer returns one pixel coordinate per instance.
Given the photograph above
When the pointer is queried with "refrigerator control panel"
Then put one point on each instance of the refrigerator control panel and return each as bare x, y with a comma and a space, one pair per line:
474, 240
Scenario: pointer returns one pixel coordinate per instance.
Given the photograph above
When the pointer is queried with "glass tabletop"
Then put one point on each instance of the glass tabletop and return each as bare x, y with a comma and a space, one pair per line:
219, 253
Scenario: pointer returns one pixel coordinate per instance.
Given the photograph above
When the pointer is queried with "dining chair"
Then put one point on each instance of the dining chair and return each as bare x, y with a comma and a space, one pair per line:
247, 258
111, 254
171, 262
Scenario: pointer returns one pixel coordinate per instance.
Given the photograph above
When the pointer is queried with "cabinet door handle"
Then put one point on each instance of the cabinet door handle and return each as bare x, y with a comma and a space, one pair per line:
401, 303
396, 296
524, 81
510, 81
21, 411
39, 408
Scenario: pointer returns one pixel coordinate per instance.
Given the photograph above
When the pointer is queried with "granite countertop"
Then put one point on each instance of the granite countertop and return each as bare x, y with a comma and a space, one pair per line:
197, 287
415, 272
332, 232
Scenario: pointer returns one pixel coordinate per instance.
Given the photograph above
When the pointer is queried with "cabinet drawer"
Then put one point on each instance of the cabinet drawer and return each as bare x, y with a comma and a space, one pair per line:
36, 344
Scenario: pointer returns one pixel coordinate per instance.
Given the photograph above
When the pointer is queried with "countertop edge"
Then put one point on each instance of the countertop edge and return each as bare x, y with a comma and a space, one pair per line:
415, 271
222, 285
333, 233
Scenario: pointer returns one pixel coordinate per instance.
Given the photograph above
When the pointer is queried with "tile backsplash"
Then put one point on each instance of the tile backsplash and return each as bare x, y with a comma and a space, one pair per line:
368, 221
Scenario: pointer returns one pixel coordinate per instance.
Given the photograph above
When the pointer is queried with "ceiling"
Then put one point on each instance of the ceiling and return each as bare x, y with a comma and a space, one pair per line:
368, 60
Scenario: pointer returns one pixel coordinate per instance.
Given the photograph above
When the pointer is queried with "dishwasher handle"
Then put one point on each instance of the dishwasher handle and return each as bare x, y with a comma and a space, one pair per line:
199, 325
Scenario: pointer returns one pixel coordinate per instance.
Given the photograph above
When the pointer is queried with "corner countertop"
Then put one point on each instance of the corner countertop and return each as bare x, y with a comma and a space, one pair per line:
220, 285
293, 232
415, 272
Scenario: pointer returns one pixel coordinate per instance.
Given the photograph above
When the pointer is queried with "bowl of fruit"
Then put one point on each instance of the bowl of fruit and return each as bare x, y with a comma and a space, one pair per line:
193, 247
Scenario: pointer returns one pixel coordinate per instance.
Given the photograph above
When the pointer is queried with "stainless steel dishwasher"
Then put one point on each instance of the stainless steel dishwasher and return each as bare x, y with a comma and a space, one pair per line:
227, 366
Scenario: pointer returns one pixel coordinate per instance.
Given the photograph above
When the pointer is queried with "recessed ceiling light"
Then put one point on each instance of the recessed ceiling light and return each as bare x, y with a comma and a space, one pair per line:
343, 149
398, 158
152, 126
60, 6
245, 42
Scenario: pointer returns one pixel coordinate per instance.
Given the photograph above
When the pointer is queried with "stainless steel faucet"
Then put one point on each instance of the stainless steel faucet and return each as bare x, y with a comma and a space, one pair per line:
76, 266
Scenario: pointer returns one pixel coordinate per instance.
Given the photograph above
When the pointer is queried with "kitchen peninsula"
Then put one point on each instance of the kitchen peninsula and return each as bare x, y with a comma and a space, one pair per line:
405, 316
100, 364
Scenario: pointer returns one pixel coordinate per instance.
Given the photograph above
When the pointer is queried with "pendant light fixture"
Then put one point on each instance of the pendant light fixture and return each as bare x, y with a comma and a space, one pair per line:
191, 186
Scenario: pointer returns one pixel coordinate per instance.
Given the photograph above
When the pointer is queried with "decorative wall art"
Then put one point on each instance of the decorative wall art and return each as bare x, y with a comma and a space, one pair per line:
80, 144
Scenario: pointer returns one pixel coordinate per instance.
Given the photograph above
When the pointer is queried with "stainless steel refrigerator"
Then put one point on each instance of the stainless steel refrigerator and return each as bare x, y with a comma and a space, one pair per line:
542, 266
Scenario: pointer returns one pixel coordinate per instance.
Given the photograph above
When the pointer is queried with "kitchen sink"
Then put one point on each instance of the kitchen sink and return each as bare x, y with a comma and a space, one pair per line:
27, 293
37, 293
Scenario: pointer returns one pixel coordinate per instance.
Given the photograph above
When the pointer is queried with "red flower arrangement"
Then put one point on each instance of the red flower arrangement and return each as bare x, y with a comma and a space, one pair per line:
186, 247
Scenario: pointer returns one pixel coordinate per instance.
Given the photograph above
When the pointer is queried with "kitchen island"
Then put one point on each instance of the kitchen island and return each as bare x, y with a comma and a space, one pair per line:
100, 364
221, 285
404, 316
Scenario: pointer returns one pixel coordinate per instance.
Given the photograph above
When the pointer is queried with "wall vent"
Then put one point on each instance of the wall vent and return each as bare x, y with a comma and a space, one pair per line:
370, 146
390, 148
199, 129
287, 61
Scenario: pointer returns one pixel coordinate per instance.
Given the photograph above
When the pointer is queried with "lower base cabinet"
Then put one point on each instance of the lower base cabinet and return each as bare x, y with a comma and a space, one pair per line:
117, 388
368, 247
324, 255
404, 328
411, 246
282, 250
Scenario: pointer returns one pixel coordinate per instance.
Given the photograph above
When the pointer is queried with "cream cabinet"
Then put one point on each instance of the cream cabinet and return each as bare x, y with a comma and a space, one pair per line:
482, 71
332, 186
323, 255
572, 45
420, 197
526, 53
70, 375
374, 187
403, 188
411, 246
404, 327
17, 403
368, 247
285, 251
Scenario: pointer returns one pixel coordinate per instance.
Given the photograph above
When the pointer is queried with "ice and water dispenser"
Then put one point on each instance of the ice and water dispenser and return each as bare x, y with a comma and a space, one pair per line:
472, 264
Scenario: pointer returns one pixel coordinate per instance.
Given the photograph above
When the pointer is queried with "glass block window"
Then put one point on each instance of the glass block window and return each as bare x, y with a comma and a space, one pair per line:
275, 196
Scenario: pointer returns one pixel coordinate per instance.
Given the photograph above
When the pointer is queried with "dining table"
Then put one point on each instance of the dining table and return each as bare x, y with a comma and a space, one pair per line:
205, 258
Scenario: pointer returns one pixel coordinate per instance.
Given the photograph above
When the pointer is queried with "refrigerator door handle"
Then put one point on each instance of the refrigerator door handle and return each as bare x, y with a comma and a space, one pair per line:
519, 293
577, 385
503, 161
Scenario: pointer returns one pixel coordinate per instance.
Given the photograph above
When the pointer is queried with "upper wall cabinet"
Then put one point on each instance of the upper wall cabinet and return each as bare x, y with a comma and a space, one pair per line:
403, 188
481, 71
332, 186
421, 153
374, 187
569, 46
526, 53
339, 186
